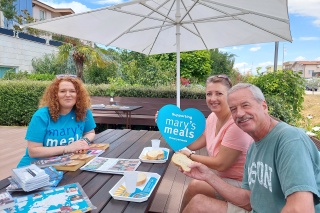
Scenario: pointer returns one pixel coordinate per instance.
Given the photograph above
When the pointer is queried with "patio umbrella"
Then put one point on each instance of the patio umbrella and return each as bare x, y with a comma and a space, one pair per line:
166, 26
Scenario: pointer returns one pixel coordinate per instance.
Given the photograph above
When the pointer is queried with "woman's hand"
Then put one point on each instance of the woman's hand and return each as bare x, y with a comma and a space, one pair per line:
185, 152
77, 147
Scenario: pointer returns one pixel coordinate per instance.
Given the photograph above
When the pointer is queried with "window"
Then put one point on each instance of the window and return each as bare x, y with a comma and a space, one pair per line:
3, 70
42, 15
310, 72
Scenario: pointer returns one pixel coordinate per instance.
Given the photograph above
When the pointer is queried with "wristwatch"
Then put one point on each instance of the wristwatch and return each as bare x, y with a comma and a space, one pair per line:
86, 140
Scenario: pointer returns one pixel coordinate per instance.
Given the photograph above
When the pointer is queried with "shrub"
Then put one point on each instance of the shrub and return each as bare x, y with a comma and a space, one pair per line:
12, 75
284, 92
19, 100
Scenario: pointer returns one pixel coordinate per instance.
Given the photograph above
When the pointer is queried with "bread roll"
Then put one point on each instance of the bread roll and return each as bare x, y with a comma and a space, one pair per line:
155, 155
182, 161
142, 178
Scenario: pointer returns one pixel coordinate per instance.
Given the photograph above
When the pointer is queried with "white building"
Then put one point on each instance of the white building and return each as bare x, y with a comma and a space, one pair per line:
18, 49
308, 69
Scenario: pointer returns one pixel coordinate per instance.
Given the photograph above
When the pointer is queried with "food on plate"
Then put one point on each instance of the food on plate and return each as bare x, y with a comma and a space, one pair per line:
144, 157
80, 156
182, 161
84, 156
72, 163
97, 145
142, 178
74, 157
155, 155
121, 191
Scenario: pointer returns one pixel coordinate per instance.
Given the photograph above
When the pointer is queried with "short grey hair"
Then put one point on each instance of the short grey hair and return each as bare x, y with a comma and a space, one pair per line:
256, 91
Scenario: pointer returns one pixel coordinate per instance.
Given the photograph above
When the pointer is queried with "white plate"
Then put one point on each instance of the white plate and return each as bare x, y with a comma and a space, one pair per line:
142, 192
142, 156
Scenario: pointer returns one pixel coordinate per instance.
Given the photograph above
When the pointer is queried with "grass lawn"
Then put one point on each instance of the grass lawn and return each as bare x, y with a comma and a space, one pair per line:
311, 106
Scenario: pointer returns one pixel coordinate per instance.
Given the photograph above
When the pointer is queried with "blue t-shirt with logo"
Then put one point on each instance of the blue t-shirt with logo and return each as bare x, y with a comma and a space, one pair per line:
42, 129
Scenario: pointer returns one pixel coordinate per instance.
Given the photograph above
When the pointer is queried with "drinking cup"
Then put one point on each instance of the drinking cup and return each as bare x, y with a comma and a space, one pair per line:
155, 143
130, 180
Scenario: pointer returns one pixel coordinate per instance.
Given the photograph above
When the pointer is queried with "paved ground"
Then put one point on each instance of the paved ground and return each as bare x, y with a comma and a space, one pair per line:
12, 148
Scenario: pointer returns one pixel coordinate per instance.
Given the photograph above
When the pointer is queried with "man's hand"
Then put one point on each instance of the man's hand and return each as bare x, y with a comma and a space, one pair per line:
200, 172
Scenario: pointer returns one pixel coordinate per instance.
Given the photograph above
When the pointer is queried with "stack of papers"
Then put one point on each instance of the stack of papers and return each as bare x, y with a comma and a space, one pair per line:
30, 177
54, 179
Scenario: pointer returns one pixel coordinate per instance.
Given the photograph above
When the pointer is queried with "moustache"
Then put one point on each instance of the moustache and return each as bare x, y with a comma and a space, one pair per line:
243, 118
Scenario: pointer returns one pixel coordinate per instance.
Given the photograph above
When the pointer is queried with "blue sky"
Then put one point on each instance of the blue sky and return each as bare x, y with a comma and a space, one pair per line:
305, 30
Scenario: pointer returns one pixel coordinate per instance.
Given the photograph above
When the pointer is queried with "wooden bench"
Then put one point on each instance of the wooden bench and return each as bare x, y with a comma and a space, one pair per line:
145, 115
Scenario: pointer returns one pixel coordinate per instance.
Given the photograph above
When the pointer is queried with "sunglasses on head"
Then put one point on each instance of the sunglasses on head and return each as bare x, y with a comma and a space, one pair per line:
223, 77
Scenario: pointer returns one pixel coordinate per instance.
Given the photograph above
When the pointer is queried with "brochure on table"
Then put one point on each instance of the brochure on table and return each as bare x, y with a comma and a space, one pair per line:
6, 200
144, 159
68, 198
111, 165
142, 192
52, 161
62, 160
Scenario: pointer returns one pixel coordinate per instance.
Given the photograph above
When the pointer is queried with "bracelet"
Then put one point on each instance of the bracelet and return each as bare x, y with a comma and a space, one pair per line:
190, 155
86, 140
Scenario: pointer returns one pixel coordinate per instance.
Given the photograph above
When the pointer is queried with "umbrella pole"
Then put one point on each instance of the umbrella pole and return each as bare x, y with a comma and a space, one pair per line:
178, 15
275, 64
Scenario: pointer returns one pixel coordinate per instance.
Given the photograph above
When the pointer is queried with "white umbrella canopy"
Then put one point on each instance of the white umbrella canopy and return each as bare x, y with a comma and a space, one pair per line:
166, 26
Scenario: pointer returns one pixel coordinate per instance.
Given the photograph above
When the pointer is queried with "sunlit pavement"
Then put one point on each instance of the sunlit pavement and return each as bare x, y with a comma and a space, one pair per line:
311, 92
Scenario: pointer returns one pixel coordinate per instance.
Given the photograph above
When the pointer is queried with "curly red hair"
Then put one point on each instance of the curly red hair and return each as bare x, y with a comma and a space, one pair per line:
50, 98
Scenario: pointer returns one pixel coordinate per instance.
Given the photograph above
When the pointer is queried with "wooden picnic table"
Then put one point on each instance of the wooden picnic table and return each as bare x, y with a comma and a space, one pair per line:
119, 110
126, 144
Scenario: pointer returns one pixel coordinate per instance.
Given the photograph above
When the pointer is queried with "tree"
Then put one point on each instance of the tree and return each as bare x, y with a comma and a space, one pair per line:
140, 69
9, 9
81, 54
221, 62
49, 63
195, 65
312, 84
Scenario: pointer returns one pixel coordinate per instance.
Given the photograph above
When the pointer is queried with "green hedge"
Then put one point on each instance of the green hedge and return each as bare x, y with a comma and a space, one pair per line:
19, 99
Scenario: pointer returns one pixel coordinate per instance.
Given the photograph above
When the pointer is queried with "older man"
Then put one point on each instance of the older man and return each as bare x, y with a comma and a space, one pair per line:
282, 170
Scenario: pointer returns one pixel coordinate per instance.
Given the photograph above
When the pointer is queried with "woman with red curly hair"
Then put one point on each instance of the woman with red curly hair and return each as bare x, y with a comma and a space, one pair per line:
62, 124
